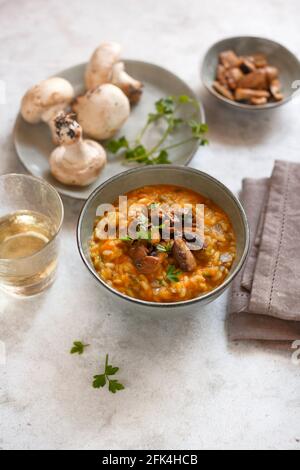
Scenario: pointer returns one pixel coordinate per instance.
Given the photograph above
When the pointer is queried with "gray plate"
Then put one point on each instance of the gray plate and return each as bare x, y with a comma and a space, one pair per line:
277, 55
33, 142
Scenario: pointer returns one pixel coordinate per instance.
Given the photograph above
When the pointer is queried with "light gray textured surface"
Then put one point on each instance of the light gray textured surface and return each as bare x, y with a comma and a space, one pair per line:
186, 386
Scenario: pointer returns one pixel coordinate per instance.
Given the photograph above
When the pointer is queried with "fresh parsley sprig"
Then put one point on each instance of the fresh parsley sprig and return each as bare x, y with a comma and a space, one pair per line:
78, 347
165, 110
167, 248
173, 273
101, 380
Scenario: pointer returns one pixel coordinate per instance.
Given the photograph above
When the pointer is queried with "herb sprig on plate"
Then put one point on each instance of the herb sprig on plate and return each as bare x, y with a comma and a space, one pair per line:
166, 110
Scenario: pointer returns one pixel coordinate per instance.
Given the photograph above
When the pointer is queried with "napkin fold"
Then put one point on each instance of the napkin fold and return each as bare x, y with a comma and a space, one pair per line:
265, 300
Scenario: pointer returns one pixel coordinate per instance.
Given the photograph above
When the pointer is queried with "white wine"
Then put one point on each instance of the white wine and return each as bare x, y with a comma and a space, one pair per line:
28, 259
31, 216
23, 234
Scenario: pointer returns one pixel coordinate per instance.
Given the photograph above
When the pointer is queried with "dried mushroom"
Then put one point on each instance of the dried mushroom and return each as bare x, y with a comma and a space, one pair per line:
248, 79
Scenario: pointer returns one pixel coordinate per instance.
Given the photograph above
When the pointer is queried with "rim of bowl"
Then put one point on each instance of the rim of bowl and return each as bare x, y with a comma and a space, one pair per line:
236, 104
57, 232
166, 305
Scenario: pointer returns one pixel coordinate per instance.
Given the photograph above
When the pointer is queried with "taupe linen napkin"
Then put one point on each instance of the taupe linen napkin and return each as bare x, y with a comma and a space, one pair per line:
265, 302
276, 283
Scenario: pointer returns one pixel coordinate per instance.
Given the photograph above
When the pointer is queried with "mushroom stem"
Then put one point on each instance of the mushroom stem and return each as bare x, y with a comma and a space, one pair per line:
49, 118
99, 68
132, 88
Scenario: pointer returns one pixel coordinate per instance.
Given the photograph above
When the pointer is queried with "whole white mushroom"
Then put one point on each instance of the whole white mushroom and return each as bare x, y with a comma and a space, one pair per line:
76, 162
102, 112
105, 66
45, 100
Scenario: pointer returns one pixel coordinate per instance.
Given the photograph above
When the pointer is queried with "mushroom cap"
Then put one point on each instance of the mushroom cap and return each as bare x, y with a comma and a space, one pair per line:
102, 112
54, 93
99, 68
79, 164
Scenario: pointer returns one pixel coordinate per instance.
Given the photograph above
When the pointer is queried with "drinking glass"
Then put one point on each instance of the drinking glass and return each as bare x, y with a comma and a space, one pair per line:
31, 216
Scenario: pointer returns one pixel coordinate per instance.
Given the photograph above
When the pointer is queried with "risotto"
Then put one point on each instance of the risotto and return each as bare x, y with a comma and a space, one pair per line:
154, 267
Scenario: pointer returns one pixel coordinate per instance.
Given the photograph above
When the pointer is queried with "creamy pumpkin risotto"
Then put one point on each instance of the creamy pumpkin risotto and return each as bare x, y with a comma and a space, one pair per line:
157, 268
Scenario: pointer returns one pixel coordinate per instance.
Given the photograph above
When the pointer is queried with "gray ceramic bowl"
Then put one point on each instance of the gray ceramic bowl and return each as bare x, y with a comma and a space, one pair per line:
278, 56
190, 178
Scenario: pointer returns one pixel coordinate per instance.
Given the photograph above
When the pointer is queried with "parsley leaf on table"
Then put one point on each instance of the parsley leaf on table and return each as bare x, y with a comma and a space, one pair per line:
101, 380
114, 386
78, 347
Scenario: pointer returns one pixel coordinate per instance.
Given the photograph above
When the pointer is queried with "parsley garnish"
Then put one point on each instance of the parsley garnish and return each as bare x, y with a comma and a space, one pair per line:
78, 347
167, 248
173, 273
165, 110
143, 234
101, 380
115, 145
127, 238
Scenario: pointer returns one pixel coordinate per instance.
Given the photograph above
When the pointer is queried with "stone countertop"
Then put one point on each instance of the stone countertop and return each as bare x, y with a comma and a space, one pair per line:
187, 387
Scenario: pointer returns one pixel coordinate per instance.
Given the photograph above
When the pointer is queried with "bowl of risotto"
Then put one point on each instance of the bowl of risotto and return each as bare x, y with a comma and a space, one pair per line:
163, 236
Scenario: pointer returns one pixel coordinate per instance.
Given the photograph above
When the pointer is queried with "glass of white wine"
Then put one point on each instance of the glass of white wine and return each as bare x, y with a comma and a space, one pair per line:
31, 216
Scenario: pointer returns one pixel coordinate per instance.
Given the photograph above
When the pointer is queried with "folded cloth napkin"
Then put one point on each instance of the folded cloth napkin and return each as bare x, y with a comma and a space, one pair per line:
261, 188
265, 302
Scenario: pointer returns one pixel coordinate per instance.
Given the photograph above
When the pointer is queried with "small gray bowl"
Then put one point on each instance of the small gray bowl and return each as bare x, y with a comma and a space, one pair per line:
277, 55
190, 178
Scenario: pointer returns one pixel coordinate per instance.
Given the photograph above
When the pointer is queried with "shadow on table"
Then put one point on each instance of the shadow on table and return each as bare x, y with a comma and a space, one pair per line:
282, 348
13, 324
232, 127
